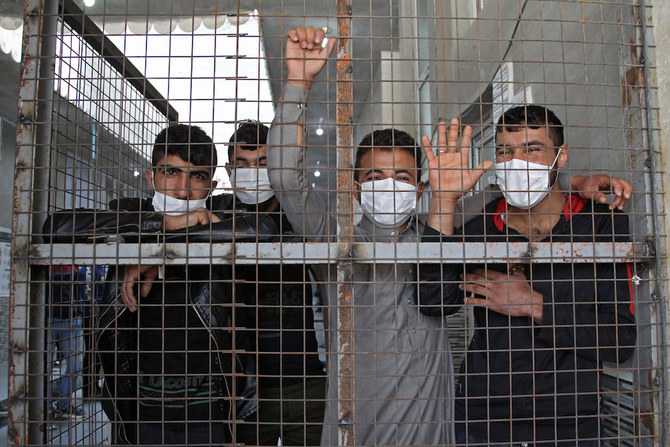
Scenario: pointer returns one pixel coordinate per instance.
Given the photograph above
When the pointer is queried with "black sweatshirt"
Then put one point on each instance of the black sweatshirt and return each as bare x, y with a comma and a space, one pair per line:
529, 381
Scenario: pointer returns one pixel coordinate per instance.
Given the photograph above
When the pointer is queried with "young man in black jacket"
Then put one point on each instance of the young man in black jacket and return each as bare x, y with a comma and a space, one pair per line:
533, 367
175, 368
291, 380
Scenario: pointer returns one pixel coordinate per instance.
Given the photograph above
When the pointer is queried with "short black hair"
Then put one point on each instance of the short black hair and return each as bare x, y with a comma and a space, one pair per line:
387, 140
190, 143
534, 117
253, 133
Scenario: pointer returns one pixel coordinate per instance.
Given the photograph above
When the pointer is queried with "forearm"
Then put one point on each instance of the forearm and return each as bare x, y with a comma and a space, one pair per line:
89, 225
439, 294
441, 214
303, 207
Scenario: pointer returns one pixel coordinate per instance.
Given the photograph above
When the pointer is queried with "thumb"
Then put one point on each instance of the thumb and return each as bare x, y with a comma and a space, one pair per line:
481, 168
145, 288
328, 50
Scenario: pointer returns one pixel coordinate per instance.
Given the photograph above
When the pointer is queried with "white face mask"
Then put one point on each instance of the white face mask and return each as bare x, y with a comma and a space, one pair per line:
389, 202
524, 184
252, 185
173, 206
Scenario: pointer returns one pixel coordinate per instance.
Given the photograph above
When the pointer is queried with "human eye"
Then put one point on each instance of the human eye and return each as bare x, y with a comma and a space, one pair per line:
503, 151
170, 172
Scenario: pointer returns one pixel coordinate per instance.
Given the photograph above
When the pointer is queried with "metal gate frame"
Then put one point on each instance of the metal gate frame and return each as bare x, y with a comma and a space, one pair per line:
30, 256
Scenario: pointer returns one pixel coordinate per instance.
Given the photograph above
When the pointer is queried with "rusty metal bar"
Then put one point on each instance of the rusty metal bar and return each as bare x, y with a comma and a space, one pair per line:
326, 253
30, 195
659, 288
345, 266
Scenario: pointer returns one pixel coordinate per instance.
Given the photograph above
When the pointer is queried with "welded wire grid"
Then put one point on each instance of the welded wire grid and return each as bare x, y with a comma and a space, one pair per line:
334, 301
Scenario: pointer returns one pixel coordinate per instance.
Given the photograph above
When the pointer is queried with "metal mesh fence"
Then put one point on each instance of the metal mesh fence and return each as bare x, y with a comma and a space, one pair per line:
226, 234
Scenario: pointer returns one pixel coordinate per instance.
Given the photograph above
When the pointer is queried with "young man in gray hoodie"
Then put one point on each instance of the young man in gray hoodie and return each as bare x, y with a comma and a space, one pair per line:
403, 379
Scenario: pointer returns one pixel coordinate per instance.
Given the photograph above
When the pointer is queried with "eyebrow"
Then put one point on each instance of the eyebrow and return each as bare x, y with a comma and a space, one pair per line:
528, 143
191, 171
264, 157
395, 172
403, 171
370, 171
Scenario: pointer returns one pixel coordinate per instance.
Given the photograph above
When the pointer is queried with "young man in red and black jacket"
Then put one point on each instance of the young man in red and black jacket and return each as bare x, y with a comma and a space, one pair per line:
533, 367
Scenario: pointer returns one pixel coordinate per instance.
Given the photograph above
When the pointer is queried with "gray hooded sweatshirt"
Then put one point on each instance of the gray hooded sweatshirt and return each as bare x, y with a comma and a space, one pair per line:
403, 381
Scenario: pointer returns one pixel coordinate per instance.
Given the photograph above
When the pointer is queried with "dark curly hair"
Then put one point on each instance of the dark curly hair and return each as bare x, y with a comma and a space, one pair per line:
534, 117
190, 143
253, 133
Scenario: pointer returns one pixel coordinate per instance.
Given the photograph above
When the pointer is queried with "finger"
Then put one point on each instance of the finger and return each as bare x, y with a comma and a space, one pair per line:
331, 46
145, 288
600, 181
293, 35
442, 137
618, 203
128, 296
328, 49
452, 139
466, 137
482, 167
130, 276
309, 37
477, 302
598, 196
477, 289
149, 274
319, 34
622, 187
302, 34
428, 149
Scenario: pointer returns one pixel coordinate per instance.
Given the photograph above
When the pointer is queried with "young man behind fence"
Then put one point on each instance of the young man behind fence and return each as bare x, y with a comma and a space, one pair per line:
176, 369
402, 375
533, 367
279, 313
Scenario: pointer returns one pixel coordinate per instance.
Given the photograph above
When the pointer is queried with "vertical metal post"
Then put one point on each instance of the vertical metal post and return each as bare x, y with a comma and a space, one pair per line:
345, 303
655, 209
27, 312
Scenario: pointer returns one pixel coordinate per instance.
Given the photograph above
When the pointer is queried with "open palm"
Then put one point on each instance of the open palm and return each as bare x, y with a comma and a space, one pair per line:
448, 171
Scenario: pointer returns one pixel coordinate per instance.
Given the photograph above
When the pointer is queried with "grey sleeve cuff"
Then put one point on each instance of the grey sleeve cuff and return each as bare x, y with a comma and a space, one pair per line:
292, 104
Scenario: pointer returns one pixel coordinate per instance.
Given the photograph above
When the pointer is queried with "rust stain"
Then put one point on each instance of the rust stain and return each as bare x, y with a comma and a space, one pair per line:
633, 79
343, 62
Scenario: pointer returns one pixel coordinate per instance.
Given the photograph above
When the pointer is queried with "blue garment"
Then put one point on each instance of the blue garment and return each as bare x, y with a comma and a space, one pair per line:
66, 342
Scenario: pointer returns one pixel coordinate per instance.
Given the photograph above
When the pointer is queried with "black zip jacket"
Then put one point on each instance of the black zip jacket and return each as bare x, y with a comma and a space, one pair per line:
210, 294
529, 382
279, 312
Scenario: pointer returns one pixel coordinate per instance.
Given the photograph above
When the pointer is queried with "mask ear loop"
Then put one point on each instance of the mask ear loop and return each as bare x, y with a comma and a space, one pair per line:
552, 167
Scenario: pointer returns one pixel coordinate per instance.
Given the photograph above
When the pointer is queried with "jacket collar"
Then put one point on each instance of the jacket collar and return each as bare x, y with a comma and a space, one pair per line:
573, 205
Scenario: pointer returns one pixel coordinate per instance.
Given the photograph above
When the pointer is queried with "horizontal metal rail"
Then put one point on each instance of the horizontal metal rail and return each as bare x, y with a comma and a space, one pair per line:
326, 252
